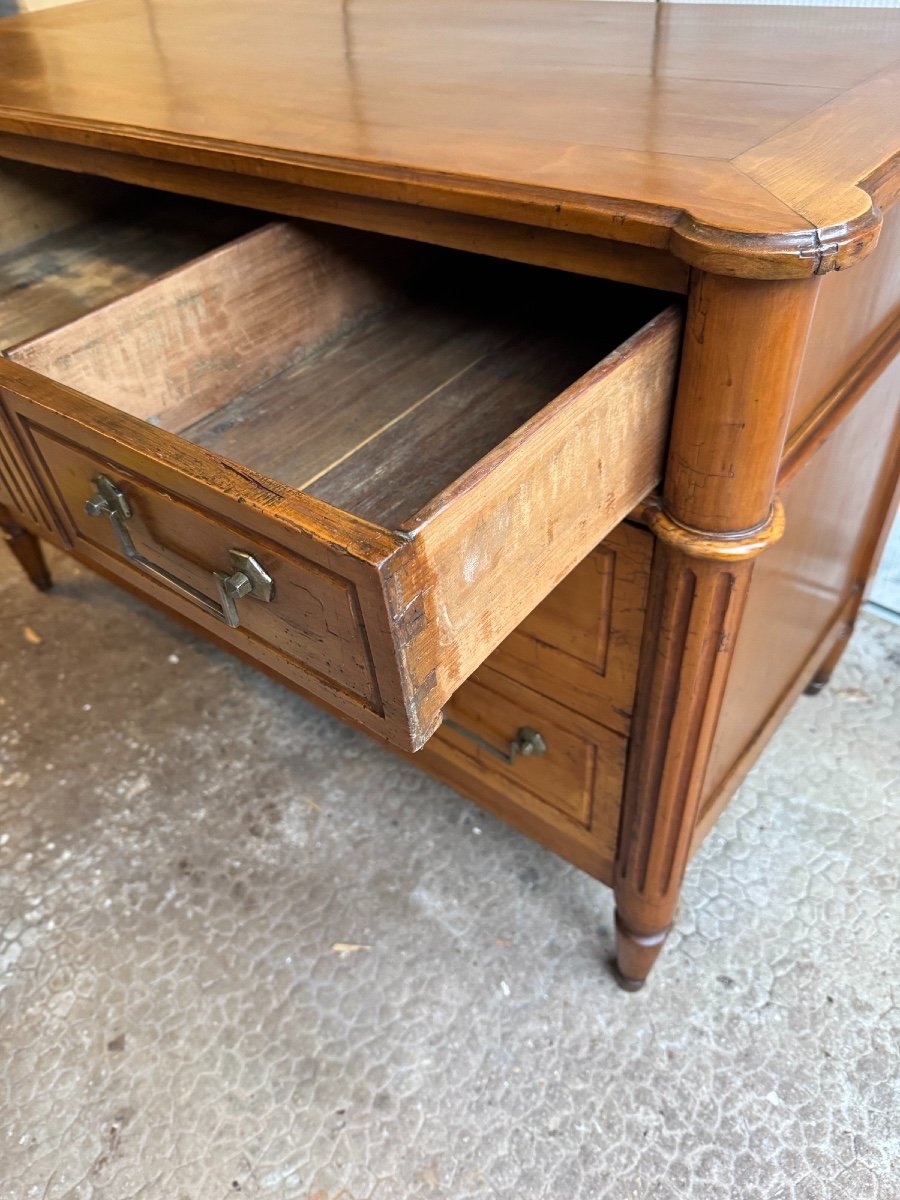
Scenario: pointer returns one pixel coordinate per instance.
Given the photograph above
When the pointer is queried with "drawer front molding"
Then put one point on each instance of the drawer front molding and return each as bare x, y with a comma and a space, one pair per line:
569, 795
314, 632
19, 494
581, 646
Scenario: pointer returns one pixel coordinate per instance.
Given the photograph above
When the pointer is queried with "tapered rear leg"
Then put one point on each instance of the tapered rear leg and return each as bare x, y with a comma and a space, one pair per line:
27, 549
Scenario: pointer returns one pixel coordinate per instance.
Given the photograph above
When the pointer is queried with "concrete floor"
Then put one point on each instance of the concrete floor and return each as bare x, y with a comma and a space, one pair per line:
184, 847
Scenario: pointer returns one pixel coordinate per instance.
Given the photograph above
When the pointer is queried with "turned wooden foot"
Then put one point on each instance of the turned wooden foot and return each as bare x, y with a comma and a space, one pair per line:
636, 952
27, 549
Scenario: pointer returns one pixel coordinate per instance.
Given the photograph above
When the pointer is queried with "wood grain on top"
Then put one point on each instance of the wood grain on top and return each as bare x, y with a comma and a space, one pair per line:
734, 136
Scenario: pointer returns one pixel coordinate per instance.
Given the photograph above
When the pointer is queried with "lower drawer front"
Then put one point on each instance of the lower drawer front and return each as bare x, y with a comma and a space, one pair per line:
582, 644
568, 796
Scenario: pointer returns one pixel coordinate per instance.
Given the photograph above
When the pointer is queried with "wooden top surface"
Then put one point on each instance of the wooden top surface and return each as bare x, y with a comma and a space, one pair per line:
752, 140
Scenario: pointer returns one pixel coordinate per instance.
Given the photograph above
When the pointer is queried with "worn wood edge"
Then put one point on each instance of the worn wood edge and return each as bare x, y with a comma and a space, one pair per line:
407, 618
716, 804
822, 422
437, 594
343, 533
794, 254
681, 236
658, 329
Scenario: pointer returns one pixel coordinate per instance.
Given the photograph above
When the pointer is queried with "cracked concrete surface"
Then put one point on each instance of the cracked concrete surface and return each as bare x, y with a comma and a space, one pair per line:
183, 846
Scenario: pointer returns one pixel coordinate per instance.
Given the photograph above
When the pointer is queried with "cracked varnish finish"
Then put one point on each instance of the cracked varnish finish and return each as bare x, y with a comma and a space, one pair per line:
176, 1026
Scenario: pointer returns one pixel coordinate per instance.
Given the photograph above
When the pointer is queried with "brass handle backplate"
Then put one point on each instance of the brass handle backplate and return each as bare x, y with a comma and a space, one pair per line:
526, 742
247, 577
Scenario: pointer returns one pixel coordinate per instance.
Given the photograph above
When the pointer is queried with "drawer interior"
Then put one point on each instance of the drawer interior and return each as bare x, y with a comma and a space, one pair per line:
71, 243
366, 371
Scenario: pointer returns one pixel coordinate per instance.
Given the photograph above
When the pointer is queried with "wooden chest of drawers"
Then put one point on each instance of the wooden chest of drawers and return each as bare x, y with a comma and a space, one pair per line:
424, 427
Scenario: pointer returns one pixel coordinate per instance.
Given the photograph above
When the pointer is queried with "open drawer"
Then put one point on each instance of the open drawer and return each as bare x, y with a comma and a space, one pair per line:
362, 462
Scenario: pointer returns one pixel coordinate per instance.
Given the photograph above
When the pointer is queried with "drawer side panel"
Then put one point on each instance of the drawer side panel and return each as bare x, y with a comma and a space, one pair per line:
494, 546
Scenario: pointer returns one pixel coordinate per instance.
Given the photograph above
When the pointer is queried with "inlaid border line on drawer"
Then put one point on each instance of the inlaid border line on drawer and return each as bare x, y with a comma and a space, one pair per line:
456, 742
374, 704
459, 746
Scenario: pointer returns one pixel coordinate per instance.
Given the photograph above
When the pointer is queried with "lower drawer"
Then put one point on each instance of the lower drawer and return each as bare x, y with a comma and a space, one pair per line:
581, 645
548, 771
303, 619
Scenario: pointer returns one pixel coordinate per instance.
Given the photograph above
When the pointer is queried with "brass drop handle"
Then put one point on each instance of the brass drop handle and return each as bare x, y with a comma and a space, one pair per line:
526, 742
247, 577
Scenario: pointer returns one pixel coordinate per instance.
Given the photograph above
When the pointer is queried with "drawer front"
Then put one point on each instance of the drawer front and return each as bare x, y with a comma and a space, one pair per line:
311, 630
568, 795
581, 646
18, 491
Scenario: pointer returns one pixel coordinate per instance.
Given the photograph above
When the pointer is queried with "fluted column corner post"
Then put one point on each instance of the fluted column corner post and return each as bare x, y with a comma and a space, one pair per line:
743, 347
